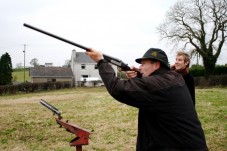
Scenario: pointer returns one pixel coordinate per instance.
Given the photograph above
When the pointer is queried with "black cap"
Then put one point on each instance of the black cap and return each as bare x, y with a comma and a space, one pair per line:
155, 54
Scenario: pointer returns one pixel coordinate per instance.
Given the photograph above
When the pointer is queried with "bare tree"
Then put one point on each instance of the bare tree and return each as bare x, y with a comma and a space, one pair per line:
200, 25
34, 62
67, 63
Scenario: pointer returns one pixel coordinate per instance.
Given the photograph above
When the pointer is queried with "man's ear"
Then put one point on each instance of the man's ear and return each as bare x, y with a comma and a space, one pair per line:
157, 65
186, 63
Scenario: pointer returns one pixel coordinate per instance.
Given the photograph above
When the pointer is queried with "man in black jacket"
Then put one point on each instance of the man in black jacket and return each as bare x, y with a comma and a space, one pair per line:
167, 119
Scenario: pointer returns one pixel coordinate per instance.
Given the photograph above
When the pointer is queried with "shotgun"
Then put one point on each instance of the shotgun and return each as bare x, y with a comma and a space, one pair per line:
119, 63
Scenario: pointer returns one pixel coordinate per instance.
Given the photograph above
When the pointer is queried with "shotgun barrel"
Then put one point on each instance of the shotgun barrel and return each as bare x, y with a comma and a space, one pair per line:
110, 59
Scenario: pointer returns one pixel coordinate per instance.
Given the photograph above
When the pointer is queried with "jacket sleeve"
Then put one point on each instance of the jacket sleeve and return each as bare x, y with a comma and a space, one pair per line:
137, 92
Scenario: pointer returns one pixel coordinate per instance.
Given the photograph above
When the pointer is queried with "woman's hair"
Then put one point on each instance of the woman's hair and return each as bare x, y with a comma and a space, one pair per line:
185, 56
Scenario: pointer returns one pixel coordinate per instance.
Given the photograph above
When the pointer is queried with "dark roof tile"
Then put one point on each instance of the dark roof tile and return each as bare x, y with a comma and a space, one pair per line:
51, 72
81, 57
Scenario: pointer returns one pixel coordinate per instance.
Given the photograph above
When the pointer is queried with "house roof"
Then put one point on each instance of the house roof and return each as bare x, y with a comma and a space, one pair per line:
81, 57
51, 72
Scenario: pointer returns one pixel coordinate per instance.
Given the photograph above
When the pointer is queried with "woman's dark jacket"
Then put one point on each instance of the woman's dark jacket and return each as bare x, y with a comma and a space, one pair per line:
167, 119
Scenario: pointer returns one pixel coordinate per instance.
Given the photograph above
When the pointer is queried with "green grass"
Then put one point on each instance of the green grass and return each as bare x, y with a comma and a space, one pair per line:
212, 109
26, 125
18, 76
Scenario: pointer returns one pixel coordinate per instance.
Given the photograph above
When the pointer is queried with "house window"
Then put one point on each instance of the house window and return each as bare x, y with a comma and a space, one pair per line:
84, 76
83, 66
96, 67
51, 80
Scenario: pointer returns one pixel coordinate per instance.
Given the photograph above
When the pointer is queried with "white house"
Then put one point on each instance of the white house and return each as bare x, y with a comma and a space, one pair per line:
84, 68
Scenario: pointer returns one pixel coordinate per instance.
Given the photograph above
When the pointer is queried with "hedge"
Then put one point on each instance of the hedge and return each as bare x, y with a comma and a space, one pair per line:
220, 80
199, 71
32, 87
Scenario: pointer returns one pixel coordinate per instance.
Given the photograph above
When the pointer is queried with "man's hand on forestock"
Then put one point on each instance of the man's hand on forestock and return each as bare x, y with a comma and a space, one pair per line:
95, 55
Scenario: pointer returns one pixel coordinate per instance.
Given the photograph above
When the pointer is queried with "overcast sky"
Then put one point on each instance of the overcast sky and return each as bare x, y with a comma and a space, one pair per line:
124, 29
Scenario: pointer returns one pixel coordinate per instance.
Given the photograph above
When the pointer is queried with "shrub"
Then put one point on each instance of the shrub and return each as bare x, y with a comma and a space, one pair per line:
2, 91
220, 70
67, 85
12, 89
198, 71
32, 87
58, 85
220, 80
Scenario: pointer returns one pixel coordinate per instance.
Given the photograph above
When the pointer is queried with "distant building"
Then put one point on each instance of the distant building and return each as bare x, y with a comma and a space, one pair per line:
48, 64
84, 68
51, 74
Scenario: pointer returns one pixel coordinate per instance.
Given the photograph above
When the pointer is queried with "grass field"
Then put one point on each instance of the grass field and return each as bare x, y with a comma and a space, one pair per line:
27, 126
18, 76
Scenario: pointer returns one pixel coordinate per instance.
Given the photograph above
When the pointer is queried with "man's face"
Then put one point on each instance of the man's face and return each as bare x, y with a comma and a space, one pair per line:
180, 63
147, 67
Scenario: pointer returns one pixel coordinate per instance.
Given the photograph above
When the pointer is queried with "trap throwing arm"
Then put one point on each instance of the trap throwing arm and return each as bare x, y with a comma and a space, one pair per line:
82, 135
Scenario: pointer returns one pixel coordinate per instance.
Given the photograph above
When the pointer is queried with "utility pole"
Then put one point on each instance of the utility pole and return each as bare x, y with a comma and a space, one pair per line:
24, 61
